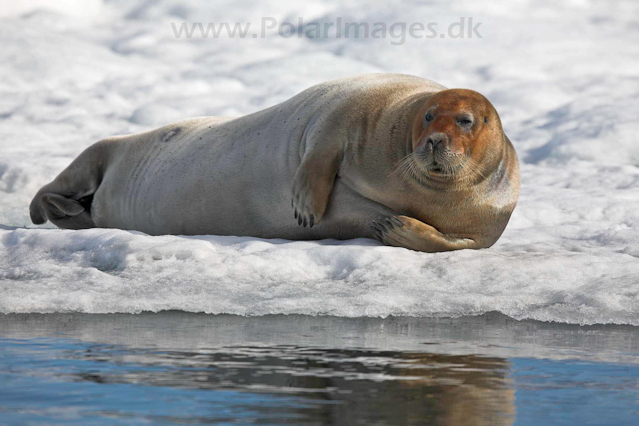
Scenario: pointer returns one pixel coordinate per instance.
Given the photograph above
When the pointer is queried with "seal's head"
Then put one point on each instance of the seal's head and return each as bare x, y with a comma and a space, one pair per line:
456, 135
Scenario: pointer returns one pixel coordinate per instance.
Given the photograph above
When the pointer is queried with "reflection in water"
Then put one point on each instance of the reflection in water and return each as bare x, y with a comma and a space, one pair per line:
363, 386
290, 384
176, 367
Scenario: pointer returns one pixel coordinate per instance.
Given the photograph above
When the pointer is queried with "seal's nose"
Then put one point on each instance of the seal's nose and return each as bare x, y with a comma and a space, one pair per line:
437, 141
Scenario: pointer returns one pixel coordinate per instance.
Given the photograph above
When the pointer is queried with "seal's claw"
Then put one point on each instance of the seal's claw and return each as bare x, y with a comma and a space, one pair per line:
305, 222
378, 231
386, 229
396, 221
312, 221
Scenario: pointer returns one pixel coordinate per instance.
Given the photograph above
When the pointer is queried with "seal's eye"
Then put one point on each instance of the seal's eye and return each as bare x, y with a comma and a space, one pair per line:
464, 121
428, 117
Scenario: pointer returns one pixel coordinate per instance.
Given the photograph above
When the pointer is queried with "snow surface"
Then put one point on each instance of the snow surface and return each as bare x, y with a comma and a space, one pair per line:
563, 75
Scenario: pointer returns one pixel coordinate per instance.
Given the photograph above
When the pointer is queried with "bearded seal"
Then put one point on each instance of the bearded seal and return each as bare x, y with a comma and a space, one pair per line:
388, 156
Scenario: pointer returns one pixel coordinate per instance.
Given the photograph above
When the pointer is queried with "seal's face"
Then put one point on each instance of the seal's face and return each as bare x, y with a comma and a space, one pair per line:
453, 134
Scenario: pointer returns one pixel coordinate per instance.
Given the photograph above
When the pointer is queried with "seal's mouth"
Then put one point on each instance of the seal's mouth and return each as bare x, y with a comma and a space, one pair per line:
417, 167
441, 171
437, 168
440, 163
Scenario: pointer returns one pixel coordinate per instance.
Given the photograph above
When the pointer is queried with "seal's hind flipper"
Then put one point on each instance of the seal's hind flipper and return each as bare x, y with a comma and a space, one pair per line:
66, 201
58, 206
66, 213
63, 212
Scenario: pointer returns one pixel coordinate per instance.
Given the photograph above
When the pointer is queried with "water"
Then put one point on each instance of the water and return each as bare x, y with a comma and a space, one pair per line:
176, 367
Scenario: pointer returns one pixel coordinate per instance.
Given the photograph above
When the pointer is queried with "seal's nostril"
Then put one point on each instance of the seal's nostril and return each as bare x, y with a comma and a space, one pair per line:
429, 144
440, 141
433, 141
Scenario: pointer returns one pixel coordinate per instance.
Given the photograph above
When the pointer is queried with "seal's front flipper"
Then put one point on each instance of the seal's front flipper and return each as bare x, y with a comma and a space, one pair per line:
312, 188
315, 177
65, 212
404, 231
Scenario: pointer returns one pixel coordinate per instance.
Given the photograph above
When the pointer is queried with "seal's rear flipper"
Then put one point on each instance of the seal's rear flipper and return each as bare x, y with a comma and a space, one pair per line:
65, 212
66, 201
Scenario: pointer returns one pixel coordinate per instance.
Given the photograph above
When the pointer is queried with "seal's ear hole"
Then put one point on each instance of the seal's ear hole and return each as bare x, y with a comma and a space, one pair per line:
485, 119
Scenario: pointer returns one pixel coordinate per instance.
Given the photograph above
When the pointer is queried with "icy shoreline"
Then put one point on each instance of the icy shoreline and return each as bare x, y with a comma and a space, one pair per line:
107, 271
489, 335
